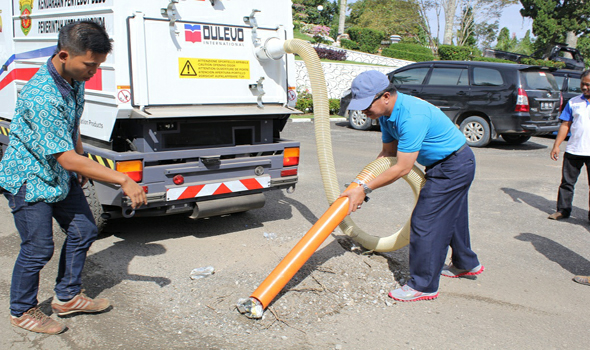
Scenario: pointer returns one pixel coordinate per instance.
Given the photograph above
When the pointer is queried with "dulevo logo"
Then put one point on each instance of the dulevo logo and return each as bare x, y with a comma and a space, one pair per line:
26, 8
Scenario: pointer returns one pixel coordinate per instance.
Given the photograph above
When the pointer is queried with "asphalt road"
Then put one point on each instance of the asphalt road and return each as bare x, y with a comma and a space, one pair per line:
525, 299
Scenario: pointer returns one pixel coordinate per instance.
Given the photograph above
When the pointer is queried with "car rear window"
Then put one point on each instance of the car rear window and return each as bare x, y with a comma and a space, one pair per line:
538, 80
449, 76
487, 77
574, 85
410, 76
559, 80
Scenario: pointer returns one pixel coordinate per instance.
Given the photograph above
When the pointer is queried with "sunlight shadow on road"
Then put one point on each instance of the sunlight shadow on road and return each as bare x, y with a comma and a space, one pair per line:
577, 217
569, 260
98, 278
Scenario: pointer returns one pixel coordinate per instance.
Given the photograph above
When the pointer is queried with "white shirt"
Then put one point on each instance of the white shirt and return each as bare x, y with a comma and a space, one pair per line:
577, 111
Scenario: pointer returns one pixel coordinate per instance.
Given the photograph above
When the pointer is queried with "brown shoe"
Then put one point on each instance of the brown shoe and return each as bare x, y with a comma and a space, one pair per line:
35, 320
582, 280
557, 216
80, 303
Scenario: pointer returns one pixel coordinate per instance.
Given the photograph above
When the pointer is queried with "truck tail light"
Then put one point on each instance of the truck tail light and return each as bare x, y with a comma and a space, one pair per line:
522, 101
291, 156
289, 172
132, 168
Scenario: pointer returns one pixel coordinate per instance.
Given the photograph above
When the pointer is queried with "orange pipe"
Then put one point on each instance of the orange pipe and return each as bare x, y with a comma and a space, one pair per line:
299, 255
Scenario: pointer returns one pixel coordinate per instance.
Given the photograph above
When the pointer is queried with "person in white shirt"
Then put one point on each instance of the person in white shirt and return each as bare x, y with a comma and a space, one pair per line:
576, 122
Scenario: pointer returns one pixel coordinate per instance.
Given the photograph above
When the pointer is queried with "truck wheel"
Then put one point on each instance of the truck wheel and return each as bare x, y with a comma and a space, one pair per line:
476, 131
515, 139
359, 121
95, 206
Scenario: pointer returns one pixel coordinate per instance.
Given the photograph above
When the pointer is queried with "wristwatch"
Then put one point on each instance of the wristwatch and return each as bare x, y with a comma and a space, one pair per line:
366, 188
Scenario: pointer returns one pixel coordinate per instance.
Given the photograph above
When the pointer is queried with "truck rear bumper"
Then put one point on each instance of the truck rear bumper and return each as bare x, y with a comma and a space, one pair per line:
161, 204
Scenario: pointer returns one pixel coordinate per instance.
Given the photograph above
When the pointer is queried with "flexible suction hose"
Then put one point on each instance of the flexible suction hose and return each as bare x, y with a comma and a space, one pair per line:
326, 161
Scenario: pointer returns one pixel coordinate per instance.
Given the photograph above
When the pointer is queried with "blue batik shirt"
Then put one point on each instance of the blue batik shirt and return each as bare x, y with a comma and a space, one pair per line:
47, 116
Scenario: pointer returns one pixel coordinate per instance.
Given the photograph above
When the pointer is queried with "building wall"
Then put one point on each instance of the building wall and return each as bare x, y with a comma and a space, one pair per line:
339, 76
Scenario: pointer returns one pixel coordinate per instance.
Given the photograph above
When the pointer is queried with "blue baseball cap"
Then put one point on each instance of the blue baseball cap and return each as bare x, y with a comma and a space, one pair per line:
364, 88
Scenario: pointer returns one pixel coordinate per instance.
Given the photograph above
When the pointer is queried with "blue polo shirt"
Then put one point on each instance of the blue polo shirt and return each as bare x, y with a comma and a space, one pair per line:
47, 116
421, 127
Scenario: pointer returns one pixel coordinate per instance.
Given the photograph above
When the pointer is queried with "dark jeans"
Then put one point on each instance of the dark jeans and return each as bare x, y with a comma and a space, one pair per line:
440, 220
34, 224
572, 165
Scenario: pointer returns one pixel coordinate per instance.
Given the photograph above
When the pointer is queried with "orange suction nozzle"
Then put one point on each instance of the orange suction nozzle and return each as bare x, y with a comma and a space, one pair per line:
297, 257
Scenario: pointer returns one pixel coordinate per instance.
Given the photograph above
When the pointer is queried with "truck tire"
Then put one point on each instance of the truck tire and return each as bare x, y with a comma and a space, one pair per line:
359, 121
94, 204
516, 139
476, 131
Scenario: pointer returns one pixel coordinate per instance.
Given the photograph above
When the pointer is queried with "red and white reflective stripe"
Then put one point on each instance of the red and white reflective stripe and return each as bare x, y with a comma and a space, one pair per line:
255, 183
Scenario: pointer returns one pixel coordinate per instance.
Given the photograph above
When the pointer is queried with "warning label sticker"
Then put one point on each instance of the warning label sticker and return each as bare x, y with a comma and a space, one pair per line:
208, 68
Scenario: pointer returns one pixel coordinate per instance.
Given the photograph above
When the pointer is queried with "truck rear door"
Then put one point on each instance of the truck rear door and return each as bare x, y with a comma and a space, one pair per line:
197, 65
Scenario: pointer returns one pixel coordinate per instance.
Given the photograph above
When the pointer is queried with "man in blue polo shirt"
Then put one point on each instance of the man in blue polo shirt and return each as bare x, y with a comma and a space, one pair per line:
575, 120
41, 175
413, 130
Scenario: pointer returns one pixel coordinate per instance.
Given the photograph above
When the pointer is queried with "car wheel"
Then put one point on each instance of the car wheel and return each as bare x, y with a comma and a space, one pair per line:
515, 139
358, 120
476, 131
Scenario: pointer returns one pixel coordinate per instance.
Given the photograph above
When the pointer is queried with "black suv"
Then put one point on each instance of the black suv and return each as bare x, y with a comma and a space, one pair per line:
483, 99
569, 83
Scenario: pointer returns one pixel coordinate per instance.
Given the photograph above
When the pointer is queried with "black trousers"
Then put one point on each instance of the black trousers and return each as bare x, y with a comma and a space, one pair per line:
572, 165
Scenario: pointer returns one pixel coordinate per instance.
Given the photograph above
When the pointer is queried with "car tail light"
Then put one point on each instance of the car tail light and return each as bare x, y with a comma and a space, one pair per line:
291, 156
522, 101
132, 168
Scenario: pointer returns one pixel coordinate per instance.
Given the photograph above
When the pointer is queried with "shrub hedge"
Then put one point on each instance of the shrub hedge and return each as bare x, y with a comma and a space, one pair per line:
491, 59
367, 39
456, 53
416, 48
305, 103
544, 63
349, 44
406, 55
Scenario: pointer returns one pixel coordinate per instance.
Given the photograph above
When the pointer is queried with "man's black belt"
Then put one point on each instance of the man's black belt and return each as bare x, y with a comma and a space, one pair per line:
447, 157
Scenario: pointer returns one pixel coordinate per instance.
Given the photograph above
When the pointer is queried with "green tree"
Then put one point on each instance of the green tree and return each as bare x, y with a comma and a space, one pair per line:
584, 47
525, 46
486, 33
505, 42
484, 11
465, 35
389, 16
309, 11
552, 19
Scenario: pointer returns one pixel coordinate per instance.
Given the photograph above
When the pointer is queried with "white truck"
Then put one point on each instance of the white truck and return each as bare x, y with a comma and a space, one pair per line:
184, 105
